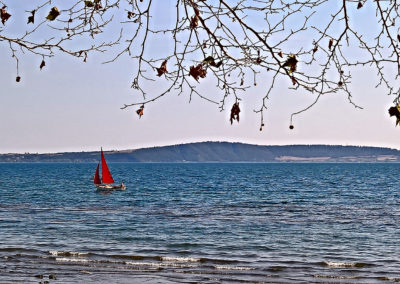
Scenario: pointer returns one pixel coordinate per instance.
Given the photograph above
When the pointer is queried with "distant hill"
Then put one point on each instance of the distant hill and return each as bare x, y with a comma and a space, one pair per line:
223, 152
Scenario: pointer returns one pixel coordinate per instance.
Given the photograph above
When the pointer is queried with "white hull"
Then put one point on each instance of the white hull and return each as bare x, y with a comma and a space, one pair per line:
110, 187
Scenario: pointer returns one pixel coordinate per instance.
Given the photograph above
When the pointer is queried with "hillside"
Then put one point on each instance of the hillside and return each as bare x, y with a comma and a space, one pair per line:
223, 152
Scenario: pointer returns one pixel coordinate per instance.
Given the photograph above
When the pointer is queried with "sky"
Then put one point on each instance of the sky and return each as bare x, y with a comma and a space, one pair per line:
75, 106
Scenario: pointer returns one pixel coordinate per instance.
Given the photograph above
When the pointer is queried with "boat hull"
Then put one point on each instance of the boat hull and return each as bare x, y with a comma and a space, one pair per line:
110, 187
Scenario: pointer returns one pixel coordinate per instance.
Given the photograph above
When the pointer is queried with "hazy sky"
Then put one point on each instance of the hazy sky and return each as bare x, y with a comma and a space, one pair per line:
72, 106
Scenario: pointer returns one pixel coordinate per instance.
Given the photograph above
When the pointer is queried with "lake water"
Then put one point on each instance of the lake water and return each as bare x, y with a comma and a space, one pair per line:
207, 223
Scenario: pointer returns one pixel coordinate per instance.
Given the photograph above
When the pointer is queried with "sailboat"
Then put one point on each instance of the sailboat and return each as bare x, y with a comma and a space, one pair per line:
108, 181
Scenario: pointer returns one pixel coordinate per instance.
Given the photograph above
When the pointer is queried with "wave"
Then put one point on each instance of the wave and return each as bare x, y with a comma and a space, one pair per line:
146, 262
66, 259
336, 276
226, 267
67, 253
334, 264
180, 259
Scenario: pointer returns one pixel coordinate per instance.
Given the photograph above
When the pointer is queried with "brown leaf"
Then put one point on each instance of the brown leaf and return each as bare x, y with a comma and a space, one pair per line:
294, 81
395, 111
330, 44
89, 3
280, 54
163, 69
217, 65
315, 49
42, 64
235, 112
398, 37
140, 111
291, 62
4, 15
360, 4
53, 14
194, 22
31, 18
197, 72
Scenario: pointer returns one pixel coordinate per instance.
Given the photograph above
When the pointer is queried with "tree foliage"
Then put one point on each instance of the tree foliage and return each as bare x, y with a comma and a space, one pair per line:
313, 45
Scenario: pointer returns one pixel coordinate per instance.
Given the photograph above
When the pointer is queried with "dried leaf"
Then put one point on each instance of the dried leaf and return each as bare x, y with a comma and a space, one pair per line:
4, 15
89, 3
53, 14
235, 112
291, 62
194, 22
42, 64
395, 111
197, 72
163, 69
330, 44
360, 4
294, 81
398, 37
140, 111
31, 18
208, 59
217, 65
315, 49
280, 54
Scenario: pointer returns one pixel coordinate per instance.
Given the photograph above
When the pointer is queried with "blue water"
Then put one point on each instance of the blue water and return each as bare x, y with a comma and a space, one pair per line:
207, 223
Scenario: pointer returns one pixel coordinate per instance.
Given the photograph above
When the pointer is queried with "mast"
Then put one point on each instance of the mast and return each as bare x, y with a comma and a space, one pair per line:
96, 179
107, 177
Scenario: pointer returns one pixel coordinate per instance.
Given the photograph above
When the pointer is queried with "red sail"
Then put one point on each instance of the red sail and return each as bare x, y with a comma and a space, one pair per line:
107, 177
96, 179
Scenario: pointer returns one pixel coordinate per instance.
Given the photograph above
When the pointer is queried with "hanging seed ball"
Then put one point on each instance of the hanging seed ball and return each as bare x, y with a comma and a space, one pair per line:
291, 126
18, 79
